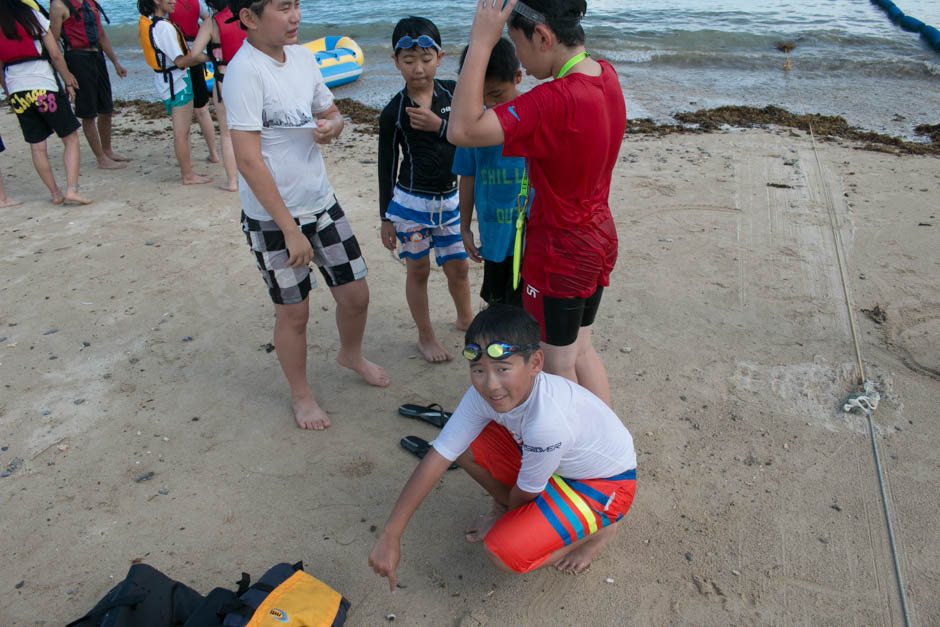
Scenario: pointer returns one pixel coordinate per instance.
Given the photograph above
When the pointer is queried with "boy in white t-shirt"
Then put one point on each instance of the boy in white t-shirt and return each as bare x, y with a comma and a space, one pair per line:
278, 109
557, 461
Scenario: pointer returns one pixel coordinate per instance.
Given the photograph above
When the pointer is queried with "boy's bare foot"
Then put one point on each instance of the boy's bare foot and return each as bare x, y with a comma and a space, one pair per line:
58, 197
482, 525
578, 559
229, 187
74, 197
309, 415
110, 164
113, 156
196, 179
212, 159
372, 373
9, 202
433, 352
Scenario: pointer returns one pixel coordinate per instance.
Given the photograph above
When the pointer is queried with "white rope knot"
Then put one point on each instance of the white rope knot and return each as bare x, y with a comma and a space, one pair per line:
866, 399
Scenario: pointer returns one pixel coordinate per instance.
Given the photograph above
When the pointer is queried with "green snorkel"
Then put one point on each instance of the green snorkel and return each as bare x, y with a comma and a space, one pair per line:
521, 203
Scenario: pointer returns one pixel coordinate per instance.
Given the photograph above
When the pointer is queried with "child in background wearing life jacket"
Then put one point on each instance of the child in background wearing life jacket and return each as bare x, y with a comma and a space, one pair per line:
222, 36
569, 130
418, 201
186, 15
30, 83
78, 24
165, 46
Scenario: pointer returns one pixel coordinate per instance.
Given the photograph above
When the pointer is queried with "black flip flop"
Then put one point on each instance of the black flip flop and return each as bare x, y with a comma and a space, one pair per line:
419, 447
432, 414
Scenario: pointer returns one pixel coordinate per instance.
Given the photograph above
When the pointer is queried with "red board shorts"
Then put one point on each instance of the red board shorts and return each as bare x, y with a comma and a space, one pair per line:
566, 511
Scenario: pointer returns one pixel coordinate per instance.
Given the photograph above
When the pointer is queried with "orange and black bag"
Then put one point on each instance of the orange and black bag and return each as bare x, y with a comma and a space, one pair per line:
285, 596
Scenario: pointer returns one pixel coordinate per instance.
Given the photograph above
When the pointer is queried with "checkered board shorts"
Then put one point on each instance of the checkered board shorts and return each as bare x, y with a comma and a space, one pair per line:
335, 251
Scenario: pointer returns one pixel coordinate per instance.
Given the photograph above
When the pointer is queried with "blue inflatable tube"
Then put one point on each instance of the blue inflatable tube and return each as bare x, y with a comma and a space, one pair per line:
929, 34
911, 24
932, 36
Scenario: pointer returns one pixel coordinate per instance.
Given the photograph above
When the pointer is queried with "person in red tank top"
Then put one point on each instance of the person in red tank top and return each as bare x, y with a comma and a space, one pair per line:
570, 131
78, 24
186, 15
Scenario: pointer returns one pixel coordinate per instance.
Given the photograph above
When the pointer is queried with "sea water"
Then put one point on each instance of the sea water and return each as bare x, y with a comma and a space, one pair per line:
672, 55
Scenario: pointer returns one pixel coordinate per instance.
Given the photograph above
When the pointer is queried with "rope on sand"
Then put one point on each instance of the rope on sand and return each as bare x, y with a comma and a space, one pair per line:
866, 396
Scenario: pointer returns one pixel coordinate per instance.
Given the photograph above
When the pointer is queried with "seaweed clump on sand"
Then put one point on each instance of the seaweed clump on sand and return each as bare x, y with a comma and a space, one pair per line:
359, 113
146, 109
823, 126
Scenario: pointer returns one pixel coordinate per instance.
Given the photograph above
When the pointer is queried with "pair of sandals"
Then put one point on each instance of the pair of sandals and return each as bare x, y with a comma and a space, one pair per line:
432, 414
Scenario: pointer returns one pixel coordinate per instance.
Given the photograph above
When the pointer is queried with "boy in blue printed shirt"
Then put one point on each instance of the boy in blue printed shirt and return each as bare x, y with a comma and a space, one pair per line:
492, 183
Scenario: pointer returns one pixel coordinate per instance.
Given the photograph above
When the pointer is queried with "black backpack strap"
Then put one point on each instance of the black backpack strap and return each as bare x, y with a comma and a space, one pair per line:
243, 584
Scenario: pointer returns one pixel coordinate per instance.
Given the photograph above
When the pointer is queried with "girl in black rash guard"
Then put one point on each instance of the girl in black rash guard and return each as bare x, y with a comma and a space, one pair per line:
418, 200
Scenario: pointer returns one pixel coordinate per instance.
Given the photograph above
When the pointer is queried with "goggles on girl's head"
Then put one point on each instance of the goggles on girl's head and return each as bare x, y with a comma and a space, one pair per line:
529, 13
424, 41
496, 350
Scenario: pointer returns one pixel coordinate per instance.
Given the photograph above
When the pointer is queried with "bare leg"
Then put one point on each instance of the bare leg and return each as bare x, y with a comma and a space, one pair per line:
92, 136
228, 152
561, 360
71, 158
104, 132
290, 341
456, 271
182, 119
498, 490
208, 131
44, 169
352, 308
590, 368
416, 293
4, 200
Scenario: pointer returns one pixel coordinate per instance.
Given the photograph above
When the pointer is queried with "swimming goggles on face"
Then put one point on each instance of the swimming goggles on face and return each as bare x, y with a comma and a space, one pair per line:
496, 350
424, 41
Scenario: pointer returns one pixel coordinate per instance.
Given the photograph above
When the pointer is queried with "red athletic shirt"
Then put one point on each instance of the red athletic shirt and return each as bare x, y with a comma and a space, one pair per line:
570, 131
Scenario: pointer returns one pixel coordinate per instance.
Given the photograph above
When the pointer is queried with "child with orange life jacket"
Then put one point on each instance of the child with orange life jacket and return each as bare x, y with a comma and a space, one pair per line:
222, 36
27, 49
78, 24
167, 53
186, 15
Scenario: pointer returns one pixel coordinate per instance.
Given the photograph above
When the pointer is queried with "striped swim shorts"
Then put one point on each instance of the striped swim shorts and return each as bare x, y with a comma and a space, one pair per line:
566, 511
335, 252
421, 221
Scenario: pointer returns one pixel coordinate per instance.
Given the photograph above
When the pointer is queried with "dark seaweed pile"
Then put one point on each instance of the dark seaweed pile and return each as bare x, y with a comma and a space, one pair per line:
825, 127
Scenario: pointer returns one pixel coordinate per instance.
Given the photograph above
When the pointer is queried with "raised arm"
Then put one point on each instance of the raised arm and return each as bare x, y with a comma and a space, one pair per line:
471, 125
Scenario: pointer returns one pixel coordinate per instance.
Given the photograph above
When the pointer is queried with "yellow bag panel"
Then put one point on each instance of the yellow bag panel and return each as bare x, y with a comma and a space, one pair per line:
301, 601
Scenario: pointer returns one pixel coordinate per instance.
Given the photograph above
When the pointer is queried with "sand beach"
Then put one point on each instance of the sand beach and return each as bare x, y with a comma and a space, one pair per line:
134, 339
